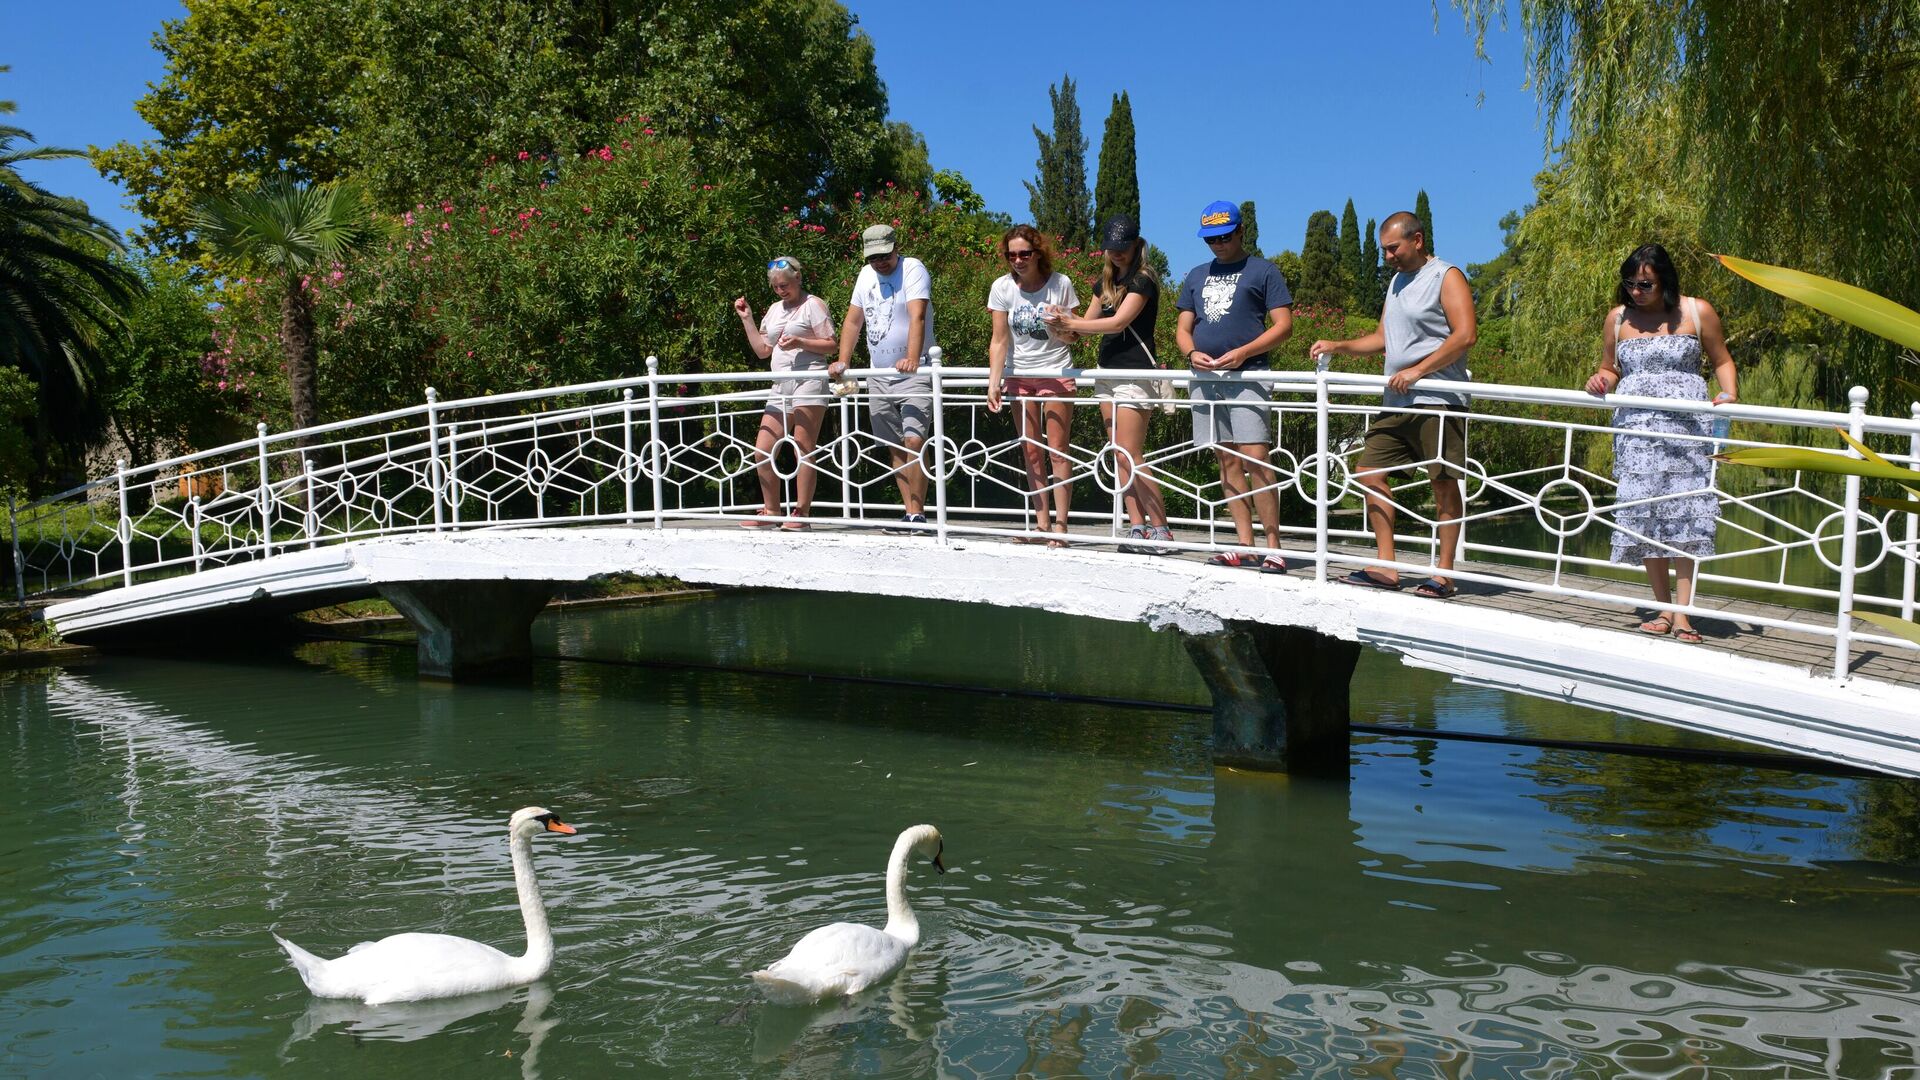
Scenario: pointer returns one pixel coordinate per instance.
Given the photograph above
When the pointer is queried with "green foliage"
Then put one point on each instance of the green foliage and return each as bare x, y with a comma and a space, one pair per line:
164, 393
1321, 280
1057, 196
1370, 288
1353, 273
61, 295
1798, 144
412, 97
1495, 283
556, 271
1250, 228
951, 187
289, 230
1289, 264
19, 412
1424, 212
253, 89
1116, 187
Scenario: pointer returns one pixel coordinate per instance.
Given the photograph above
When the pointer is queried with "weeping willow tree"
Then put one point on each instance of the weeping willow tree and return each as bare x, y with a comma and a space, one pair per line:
1790, 129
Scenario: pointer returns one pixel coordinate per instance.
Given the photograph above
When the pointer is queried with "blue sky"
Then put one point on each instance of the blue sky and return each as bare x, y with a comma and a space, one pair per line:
1297, 106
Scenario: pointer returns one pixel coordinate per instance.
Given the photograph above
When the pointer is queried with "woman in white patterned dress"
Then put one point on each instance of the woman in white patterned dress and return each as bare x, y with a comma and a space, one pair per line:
1667, 509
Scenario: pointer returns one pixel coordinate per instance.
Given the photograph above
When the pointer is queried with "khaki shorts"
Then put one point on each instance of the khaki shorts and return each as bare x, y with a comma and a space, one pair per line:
1430, 435
899, 406
1134, 394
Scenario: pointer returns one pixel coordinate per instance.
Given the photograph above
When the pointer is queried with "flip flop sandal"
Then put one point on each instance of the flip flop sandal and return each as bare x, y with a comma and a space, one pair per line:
1273, 564
1687, 636
1368, 581
758, 520
797, 526
1232, 560
1436, 589
1665, 624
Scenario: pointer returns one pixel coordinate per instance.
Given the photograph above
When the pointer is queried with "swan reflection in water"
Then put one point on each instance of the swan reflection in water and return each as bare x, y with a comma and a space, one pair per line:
778, 1028
411, 1021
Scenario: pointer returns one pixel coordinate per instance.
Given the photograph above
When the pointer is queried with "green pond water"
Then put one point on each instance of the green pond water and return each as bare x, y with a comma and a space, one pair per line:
1114, 906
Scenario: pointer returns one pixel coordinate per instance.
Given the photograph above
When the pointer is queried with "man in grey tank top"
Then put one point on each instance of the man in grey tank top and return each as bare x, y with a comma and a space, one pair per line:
1426, 327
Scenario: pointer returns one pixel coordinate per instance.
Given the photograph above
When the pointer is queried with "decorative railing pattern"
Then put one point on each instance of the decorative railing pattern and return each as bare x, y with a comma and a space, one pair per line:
656, 449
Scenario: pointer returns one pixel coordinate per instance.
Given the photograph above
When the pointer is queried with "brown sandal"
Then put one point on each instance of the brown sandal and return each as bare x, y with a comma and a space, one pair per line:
1687, 635
1664, 624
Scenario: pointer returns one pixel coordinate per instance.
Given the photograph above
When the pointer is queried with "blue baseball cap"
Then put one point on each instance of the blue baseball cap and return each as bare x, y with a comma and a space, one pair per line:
1219, 219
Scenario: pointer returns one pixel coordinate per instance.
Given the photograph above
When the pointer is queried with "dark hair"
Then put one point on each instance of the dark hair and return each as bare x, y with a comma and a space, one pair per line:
1042, 252
1408, 224
1652, 257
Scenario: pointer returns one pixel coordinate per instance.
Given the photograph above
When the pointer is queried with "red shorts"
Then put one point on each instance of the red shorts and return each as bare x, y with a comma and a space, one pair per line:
1041, 387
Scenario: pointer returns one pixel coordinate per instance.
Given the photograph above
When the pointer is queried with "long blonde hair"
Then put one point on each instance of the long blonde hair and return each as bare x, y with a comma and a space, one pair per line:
1113, 291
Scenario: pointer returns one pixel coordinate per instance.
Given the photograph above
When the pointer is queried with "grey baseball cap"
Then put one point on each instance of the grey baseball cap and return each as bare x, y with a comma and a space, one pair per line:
877, 240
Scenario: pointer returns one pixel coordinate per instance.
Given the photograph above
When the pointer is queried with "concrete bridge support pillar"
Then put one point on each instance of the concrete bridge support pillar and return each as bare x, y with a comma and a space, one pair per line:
470, 629
1280, 696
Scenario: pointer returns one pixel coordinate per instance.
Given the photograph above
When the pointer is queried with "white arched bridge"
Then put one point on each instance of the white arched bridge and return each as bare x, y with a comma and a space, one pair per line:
467, 514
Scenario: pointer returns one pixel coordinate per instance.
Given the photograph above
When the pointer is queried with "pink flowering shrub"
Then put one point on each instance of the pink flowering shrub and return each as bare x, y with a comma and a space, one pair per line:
549, 272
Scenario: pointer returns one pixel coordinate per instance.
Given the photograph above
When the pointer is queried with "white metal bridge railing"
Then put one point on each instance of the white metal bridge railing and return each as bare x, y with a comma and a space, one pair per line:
656, 450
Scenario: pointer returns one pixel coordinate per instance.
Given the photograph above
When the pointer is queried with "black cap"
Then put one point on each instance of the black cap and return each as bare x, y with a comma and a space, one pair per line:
1120, 233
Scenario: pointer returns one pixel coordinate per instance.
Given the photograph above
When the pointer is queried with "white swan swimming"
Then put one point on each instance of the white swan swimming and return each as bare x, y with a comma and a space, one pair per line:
415, 967
846, 958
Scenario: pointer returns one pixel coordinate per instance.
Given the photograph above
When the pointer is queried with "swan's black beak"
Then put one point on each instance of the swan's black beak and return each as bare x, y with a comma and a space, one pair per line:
937, 864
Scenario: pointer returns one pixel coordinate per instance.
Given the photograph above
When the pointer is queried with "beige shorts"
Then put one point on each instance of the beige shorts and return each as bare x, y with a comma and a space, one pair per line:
1132, 393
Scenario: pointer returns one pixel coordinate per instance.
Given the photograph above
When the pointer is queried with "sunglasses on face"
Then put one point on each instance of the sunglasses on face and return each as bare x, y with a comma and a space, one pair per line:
1015, 256
876, 260
1221, 239
1640, 286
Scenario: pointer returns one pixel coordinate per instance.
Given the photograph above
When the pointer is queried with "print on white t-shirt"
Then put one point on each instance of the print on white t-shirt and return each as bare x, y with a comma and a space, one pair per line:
883, 304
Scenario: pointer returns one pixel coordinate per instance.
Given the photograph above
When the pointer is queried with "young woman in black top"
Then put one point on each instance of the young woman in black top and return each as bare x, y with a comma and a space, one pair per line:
1125, 310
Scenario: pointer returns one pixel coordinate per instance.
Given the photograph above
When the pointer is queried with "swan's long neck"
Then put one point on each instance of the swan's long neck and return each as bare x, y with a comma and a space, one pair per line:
539, 955
901, 922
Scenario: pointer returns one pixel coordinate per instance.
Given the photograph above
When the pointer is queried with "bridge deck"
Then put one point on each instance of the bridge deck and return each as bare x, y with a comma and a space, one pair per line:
1732, 634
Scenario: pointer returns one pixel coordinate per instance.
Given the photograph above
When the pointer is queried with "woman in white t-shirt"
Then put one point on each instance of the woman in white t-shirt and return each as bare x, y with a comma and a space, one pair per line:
1029, 351
797, 334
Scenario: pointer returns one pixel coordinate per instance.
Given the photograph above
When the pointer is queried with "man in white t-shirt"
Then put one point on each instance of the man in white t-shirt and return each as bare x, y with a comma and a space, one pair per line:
893, 303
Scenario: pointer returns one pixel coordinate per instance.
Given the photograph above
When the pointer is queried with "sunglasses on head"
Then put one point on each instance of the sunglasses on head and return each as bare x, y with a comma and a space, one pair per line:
780, 264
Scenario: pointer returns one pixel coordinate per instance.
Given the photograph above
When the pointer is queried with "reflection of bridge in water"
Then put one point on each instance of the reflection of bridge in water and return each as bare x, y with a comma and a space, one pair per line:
1370, 945
467, 514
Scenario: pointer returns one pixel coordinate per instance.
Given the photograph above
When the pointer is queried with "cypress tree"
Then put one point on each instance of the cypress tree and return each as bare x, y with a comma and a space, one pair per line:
1350, 267
1058, 196
1425, 213
1116, 187
1371, 294
1250, 228
1320, 272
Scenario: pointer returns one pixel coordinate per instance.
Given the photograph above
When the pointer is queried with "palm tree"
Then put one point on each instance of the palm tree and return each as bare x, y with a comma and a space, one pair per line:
61, 295
288, 230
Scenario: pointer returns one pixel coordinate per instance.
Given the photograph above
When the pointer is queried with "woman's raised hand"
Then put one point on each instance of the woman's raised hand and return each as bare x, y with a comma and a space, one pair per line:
740, 306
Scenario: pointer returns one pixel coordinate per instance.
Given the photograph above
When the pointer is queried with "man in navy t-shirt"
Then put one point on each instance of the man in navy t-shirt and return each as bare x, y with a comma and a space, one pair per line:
1233, 311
